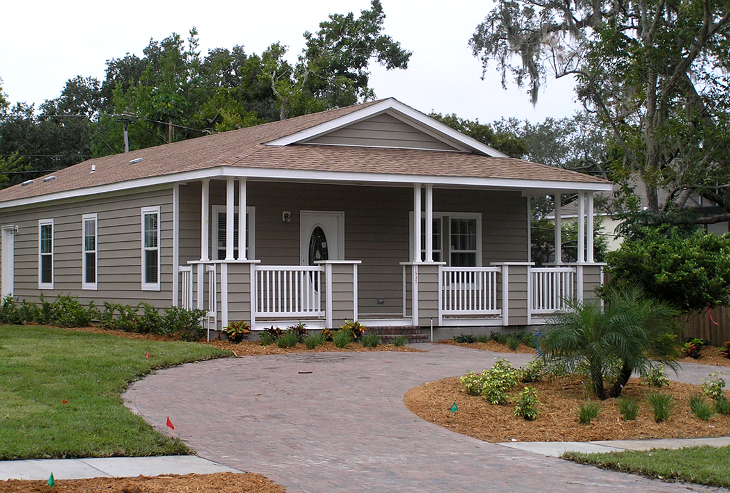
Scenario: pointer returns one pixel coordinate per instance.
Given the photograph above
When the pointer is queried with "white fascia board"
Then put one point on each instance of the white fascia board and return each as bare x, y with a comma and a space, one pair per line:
313, 176
396, 106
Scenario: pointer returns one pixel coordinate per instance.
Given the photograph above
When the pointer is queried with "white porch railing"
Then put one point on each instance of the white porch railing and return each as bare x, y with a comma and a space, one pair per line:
187, 287
550, 288
289, 291
469, 291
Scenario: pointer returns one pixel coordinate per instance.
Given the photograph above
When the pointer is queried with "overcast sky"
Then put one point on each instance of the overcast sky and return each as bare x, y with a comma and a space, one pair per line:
45, 43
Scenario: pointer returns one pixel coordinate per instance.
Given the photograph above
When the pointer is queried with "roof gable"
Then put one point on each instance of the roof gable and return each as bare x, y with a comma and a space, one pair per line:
368, 126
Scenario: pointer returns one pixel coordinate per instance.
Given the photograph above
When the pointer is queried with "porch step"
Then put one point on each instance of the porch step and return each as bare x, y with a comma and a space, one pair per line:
387, 334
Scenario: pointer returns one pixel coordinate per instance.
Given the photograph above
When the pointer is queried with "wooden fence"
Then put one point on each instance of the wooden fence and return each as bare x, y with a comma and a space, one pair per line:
711, 325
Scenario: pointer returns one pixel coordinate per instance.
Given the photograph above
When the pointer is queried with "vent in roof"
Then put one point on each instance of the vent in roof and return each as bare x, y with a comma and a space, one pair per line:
26, 182
49, 178
93, 168
135, 161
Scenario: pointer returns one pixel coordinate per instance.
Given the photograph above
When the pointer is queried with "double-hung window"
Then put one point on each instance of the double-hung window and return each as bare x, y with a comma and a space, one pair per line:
456, 239
219, 213
89, 247
151, 248
45, 254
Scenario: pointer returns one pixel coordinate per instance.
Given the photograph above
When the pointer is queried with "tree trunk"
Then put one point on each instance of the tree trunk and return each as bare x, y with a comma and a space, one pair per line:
621, 381
597, 382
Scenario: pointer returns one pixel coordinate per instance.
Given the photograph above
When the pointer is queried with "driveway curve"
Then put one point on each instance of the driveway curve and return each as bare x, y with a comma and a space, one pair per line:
336, 422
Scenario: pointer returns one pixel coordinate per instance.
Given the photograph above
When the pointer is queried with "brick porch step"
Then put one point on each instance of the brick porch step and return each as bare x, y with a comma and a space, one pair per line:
414, 334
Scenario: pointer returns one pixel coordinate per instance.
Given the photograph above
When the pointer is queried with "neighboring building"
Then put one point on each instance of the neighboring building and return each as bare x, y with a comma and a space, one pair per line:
309, 219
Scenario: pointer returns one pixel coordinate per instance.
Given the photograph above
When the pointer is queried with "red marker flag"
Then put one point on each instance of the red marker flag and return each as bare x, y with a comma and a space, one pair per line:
64, 401
169, 423
146, 355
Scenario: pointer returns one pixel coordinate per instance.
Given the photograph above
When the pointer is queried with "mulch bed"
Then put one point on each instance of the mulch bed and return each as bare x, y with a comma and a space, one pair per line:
220, 483
557, 419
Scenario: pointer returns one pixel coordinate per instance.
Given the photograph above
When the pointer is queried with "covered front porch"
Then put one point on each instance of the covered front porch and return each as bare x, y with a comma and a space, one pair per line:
326, 253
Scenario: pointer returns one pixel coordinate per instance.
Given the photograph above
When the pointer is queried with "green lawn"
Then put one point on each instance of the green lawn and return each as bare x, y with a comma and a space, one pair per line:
703, 465
41, 367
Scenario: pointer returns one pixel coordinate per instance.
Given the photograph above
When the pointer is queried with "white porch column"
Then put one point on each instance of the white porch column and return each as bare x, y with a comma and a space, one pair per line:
416, 254
558, 229
175, 244
589, 230
429, 223
242, 237
230, 214
581, 228
204, 220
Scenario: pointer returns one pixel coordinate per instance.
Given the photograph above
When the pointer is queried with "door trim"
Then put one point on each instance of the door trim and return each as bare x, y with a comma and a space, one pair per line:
8, 260
338, 216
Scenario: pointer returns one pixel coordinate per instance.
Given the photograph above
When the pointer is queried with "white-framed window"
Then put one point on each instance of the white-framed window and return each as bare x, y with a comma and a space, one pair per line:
89, 236
219, 215
465, 240
151, 248
464, 235
45, 254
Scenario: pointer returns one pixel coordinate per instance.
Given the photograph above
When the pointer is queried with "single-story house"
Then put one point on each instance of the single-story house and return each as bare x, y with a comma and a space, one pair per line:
373, 212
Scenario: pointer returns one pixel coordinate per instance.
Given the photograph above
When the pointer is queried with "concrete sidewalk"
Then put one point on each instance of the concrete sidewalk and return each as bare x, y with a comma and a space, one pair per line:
118, 467
556, 449
112, 467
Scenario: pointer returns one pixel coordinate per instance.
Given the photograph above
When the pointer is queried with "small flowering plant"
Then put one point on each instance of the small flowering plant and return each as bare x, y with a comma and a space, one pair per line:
237, 331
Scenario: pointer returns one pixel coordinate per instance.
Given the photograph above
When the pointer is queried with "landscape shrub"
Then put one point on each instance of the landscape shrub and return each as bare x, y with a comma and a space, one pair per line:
498, 380
628, 407
150, 321
700, 408
29, 312
327, 334
266, 338
465, 339
662, 405
527, 404
513, 342
692, 348
342, 338
288, 339
722, 406
655, 377
237, 332
534, 371
356, 329
399, 341
473, 382
588, 411
483, 339
713, 386
9, 312
314, 340
274, 332
300, 330
370, 340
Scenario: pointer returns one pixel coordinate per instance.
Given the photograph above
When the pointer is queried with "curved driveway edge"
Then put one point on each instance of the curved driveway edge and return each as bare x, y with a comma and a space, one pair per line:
336, 422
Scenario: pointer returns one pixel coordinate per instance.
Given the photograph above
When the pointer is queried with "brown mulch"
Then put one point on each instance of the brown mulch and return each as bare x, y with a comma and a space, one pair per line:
220, 483
491, 346
254, 348
557, 419
709, 355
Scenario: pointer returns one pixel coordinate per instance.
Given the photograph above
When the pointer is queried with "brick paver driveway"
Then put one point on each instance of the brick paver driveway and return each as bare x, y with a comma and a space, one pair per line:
336, 422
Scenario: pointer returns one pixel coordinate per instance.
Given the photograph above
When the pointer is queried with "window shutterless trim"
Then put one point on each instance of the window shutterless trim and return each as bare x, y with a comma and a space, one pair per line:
45, 255
85, 284
145, 250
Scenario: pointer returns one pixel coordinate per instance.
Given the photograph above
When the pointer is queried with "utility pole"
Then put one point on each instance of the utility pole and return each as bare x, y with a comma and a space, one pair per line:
125, 119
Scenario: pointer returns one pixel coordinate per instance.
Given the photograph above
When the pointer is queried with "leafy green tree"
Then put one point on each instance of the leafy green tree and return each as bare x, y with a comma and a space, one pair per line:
654, 73
543, 241
332, 70
690, 271
505, 140
610, 339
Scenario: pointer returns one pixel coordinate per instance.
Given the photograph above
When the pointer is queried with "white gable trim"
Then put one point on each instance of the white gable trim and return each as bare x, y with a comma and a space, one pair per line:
392, 106
314, 176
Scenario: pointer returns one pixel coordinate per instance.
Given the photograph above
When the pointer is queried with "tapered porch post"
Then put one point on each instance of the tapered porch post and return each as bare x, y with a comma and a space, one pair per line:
558, 229
429, 224
416, 254
242, 237
589, 232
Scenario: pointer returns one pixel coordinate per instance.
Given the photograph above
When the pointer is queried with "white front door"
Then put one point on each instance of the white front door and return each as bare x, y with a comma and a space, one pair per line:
322, 236
8, 260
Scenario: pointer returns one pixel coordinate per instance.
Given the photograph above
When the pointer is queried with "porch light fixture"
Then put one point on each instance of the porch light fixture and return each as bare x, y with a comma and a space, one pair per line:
286, 216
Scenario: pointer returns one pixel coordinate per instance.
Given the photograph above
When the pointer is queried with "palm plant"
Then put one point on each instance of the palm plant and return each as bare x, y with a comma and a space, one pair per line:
624, 333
